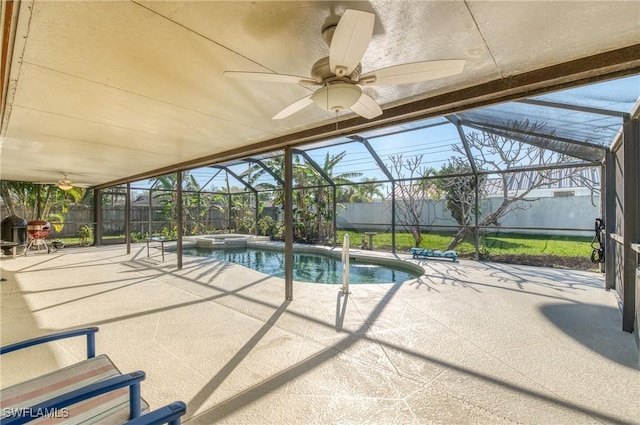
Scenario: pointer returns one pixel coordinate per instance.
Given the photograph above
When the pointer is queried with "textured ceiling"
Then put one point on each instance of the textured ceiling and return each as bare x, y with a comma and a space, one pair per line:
106, 90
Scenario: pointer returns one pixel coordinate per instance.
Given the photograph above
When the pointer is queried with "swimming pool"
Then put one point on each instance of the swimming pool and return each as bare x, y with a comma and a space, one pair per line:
307, 267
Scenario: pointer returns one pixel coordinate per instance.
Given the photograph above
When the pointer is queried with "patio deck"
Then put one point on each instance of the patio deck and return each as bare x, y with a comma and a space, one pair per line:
467, 342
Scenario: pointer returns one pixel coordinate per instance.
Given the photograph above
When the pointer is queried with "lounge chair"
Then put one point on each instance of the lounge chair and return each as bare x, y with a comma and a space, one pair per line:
87, 392
431, 253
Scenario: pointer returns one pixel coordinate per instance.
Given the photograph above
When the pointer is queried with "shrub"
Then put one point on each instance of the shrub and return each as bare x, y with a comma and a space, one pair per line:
86, 234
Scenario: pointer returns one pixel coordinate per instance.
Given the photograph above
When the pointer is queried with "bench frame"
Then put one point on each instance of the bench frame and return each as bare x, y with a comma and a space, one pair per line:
168, 414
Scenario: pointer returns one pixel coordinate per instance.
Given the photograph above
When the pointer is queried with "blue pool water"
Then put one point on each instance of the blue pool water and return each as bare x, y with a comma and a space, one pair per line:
314, 268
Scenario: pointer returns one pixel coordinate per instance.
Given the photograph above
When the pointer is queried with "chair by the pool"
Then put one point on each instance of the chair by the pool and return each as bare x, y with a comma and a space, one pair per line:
433, 253
90, 391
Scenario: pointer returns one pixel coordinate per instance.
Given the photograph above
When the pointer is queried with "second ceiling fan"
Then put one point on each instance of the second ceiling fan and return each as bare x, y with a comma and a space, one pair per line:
340, 76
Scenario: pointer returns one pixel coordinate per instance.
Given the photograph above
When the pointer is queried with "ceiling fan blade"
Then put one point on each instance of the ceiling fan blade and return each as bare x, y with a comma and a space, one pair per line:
275, 78
73, 183
412, 72
350, 41
366, 107
293, 108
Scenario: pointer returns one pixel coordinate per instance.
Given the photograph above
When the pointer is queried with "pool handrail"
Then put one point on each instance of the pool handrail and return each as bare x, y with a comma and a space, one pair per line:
345, 264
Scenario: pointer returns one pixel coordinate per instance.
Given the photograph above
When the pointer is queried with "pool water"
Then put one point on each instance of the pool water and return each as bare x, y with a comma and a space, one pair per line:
314, 268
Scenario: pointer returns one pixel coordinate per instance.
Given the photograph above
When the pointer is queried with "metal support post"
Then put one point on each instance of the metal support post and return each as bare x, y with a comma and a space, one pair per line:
631, 230
127, 219
608, 193
179, 217
288, 224
97, 217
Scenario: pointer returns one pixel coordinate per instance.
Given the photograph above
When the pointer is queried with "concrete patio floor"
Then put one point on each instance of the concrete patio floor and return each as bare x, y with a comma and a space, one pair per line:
467, 343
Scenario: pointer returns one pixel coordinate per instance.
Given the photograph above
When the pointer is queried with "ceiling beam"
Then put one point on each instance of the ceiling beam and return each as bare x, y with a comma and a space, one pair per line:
7, 26
578, 108
600, 67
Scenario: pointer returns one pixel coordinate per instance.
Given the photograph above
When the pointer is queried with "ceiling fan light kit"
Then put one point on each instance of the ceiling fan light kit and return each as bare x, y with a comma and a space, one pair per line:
339, 75
65, 183
336, 97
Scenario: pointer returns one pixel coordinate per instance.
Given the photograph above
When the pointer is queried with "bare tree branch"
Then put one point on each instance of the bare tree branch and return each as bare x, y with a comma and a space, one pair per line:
499, 153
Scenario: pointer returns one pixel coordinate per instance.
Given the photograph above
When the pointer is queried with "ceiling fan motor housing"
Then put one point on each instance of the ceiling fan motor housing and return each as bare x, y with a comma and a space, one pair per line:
321, 72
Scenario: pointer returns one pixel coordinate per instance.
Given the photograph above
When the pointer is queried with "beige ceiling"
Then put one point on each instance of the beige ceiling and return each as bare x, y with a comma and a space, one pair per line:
107, 90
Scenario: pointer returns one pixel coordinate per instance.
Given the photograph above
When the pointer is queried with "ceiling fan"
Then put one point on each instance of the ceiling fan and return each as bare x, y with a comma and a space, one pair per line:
340, 76
67, 184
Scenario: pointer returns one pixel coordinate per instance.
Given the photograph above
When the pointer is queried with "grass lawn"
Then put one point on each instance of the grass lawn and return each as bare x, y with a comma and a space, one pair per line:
544, 250
75, 241
563, 246
491, 244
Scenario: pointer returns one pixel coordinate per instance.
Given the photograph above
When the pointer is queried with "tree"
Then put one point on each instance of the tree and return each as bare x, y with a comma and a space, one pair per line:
365, 191
194, 203
506, 155
40, 201
267, 192
459, 190
412, 191
322, 199
312, 199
